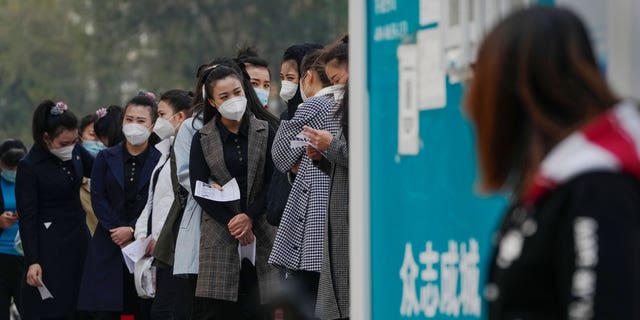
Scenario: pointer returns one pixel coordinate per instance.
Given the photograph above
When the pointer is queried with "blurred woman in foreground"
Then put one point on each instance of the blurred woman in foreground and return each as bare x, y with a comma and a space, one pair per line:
551, 132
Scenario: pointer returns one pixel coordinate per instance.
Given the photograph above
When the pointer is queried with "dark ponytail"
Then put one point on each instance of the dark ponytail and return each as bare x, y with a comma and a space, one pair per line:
313, 61
52, 122
338, 51
249, 55
109, 125
179, 100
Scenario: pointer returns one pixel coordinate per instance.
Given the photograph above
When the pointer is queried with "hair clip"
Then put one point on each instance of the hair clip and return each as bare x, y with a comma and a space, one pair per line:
204, 93
101, 113
150, 95
59, 108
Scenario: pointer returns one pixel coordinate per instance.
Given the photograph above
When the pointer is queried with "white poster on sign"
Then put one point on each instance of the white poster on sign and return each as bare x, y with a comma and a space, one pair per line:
432, 93
429, 12
408, 121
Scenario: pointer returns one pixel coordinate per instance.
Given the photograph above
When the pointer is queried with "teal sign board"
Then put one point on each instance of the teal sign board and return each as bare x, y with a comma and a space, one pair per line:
430, 230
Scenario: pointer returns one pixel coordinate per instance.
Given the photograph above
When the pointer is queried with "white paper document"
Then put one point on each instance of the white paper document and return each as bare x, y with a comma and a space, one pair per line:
299, 144
248, 252
431, 74
230, 191
408, 111
44, 292
128, 262
135, 251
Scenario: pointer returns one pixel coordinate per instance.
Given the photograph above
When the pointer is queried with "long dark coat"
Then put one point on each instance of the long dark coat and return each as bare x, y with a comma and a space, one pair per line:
103, 273
52, 228
333, 288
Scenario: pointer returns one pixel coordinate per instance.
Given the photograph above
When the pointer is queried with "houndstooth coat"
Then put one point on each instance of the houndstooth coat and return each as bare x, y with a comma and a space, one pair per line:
298, 244
219, 267
333, 290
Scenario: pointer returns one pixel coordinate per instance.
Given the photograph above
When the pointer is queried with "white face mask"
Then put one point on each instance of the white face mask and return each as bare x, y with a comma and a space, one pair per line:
164, 129
302, 94
135, 133
233, 109
64, 153
288, 90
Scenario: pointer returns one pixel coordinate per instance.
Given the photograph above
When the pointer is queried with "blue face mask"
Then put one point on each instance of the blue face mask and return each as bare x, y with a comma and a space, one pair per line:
263, 95
8, 175
93, 147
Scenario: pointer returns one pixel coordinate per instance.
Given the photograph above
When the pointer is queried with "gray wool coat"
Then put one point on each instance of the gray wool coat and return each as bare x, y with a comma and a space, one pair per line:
219, 266
333, 290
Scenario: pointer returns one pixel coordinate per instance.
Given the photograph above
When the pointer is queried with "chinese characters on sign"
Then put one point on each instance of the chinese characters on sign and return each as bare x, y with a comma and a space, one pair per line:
439, 273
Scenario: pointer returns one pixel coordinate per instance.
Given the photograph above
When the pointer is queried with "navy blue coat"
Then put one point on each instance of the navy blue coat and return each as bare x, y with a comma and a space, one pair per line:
52, 228
102, 279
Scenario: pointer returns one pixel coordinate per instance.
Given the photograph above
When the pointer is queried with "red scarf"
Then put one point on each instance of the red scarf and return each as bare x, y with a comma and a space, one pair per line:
611, 142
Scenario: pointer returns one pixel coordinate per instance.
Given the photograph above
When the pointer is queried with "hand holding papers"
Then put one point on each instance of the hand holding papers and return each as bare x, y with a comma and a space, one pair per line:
319, 139
229, 192
135, 251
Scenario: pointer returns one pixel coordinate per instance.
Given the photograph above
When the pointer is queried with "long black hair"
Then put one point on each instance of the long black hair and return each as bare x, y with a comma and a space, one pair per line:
343, 113
226, 67
52, 122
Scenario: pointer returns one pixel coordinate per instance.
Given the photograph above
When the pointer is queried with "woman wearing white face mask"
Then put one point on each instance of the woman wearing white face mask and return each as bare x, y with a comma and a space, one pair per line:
290, 74
233, 144
165, 204
119, 189
52, 223
297, 249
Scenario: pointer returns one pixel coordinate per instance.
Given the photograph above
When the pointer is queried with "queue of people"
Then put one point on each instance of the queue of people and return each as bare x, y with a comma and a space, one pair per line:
203, 204
152, 173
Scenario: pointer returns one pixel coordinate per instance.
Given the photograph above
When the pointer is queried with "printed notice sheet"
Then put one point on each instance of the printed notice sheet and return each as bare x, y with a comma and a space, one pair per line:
230, 191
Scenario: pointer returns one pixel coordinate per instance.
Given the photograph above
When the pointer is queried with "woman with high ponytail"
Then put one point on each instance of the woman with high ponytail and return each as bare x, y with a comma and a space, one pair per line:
52, 223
